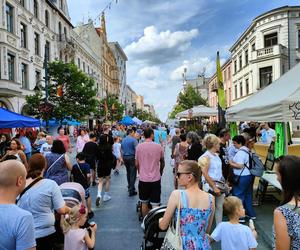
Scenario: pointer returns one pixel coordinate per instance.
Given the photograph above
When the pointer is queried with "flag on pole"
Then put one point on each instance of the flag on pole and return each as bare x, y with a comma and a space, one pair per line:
59, 91
221, 92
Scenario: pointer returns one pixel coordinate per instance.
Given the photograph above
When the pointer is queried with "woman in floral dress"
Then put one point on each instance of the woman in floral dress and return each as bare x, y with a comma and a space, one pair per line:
287, 216
196, 208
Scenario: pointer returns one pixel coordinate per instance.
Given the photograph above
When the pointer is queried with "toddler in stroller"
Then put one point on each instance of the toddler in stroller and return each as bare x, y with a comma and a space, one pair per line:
73, 194
153, 235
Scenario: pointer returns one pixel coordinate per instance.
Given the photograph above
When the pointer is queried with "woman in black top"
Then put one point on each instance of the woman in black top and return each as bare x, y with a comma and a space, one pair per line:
195, 147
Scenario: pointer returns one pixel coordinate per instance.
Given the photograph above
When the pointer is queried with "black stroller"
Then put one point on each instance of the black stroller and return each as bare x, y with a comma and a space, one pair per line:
153, 235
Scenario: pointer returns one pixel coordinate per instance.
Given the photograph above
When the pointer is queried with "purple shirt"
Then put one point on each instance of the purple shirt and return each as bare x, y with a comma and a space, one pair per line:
148, 155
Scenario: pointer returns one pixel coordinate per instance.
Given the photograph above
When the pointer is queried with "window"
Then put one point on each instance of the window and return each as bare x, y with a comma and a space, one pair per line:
59, 31
88, 69
253, 46
37, 76
65, 32
24, 78
47, 51
66, 58
229, 95
265, 76
78, 62
9, 18
47, 18
241, 62
241, 89
61, 4
83, 66
22, 2
23, 35
235, 66
298, 39
235, 91
246, 57
224, 75
271, 39
247, 86
229, 72
60, 55
35, 9
36, 43
11, 67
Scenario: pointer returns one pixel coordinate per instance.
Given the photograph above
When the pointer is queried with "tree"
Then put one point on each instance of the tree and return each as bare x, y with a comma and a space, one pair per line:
111, 108
71, 93
145, 115
187, 99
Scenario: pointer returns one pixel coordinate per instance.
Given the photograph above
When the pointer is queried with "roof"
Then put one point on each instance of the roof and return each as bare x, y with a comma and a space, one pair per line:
49, 2
120, 50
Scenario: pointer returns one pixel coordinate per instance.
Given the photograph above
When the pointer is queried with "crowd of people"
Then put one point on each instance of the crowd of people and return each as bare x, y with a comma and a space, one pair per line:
211, 176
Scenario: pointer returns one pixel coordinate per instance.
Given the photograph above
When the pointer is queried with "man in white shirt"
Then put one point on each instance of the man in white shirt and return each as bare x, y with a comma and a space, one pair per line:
47, 146
267, 134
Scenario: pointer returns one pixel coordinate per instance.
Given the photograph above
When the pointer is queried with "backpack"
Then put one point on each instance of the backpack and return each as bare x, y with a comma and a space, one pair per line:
256, 167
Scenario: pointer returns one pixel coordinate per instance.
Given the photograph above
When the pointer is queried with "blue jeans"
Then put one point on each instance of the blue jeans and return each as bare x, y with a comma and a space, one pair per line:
244, 191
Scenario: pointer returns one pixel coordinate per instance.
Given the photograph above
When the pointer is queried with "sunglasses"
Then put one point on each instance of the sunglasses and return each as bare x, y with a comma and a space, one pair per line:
178, 173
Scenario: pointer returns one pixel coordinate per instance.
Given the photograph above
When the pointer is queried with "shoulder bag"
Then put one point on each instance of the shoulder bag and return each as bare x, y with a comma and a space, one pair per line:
172, 240
28, 187
46, 175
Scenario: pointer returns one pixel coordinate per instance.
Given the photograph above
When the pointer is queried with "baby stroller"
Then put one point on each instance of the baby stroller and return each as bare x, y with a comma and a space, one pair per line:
153, 235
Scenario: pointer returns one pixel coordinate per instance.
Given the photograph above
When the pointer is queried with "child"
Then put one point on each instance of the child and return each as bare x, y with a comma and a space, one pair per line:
117, 154
234, 236
82, 175
75, 237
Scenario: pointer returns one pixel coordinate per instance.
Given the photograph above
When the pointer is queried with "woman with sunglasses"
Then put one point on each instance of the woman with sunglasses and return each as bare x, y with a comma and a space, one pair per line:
287, 216
196, 208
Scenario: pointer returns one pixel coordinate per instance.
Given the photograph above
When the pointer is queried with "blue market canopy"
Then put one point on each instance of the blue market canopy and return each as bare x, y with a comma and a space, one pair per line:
127, 120
9, 119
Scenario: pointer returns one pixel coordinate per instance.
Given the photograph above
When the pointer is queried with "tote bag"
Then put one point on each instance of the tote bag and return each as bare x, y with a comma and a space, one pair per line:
172, 240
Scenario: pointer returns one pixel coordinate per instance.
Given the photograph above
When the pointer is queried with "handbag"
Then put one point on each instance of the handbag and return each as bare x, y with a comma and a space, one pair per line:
172, 240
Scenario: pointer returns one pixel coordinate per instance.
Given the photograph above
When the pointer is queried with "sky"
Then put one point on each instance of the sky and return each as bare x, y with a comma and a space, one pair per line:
162, 37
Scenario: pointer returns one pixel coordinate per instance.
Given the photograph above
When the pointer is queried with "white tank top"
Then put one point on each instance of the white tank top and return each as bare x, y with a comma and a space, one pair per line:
215, 167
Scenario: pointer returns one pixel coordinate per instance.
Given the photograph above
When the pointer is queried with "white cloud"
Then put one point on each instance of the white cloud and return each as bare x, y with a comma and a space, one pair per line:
194, 67
160, 47
149, 73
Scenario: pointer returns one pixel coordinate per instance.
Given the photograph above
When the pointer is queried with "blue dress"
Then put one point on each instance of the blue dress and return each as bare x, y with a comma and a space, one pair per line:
193, 225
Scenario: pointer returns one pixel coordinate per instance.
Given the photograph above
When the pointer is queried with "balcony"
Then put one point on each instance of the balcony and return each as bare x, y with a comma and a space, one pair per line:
65, 44
9, 88
265, 53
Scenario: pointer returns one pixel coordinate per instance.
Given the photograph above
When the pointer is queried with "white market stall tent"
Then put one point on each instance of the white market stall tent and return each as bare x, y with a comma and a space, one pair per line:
198, 111
278, 102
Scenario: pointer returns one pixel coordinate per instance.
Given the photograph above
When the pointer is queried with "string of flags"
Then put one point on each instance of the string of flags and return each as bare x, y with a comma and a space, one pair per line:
107, 7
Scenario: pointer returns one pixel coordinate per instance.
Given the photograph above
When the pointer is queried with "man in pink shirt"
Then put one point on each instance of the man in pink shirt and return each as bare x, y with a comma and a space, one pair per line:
149, 160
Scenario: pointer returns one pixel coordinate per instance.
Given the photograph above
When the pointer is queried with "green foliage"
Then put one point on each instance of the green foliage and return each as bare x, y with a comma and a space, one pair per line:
186, 100
144, 115
78, 98
115, 110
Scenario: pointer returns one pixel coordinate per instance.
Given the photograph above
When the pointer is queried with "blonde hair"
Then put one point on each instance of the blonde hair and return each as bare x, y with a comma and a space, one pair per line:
69, 220
230, 205
193, 168
210, 141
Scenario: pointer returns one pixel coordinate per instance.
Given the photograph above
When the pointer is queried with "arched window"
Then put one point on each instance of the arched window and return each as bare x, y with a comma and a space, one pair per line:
59, 31
47, 18
3, 105
35, 9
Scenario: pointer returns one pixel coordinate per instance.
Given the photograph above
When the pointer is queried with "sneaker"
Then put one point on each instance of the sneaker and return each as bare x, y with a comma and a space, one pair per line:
98, 201
132, 194
106, 197
90, 215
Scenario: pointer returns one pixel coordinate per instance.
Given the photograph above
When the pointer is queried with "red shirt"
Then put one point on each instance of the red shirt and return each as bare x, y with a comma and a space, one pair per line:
65, 140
